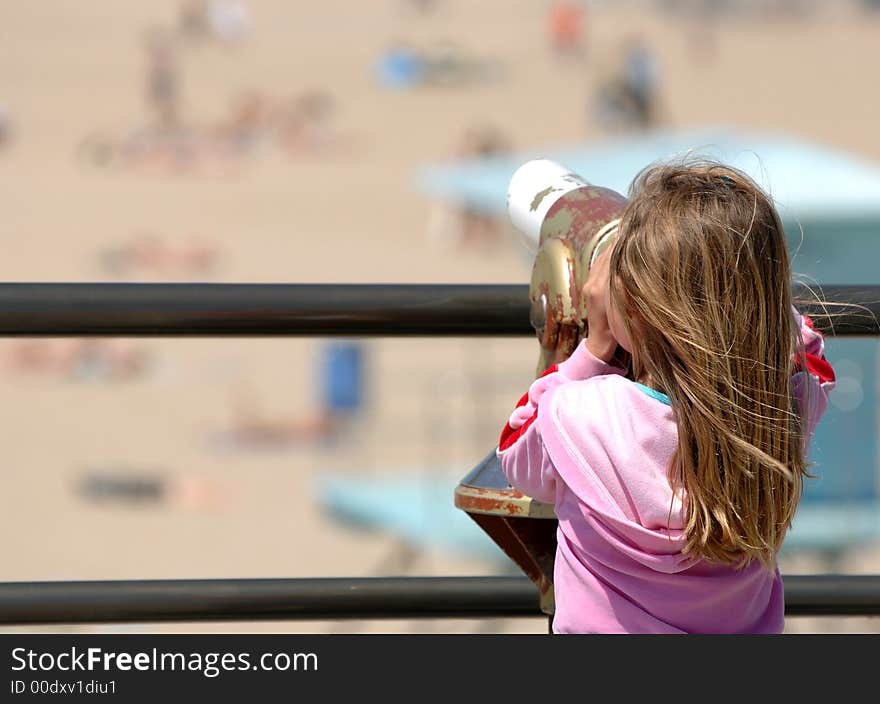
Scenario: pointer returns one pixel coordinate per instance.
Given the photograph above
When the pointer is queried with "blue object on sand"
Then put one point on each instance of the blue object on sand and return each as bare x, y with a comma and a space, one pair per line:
342, 369
400, 68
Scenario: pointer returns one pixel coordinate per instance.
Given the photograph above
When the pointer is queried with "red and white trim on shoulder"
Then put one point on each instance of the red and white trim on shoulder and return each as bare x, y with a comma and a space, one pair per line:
550, 370
808, 321
509, 435
817, 366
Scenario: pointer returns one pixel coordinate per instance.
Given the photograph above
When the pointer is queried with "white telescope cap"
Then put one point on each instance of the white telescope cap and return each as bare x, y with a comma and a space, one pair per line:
534, 188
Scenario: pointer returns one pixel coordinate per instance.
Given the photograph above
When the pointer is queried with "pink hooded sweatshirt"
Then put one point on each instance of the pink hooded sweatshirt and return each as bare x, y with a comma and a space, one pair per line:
599, 446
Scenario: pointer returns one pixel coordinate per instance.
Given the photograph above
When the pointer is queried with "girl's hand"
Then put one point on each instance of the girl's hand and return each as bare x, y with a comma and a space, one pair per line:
600, 341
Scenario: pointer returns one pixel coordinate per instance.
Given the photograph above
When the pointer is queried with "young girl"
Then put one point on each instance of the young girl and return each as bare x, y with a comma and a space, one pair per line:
675, 480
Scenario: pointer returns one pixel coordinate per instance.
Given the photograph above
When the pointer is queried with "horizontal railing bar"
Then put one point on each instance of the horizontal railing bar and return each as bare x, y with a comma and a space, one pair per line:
263, 309
252, 310
351, 598
262, 599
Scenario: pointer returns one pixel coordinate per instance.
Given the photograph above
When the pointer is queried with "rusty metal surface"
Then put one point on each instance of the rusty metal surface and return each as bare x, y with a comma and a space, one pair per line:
529, 543
525, 529
572, 229
485, 490
580, 214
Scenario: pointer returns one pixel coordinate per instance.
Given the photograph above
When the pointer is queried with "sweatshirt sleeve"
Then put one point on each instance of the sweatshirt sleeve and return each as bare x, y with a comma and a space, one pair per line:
521, 450
813, 378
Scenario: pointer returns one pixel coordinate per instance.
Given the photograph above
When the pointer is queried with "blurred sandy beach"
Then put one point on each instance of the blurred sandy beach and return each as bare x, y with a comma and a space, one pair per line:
72, 78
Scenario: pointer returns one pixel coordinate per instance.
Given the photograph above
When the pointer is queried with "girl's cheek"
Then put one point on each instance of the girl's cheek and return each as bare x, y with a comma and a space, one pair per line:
620, 333
615, 322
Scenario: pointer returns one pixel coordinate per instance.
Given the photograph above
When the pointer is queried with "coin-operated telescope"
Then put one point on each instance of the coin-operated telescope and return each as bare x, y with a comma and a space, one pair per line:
571, 221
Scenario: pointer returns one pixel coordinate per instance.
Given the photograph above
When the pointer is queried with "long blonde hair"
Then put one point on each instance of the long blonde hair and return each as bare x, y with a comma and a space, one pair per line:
701, 274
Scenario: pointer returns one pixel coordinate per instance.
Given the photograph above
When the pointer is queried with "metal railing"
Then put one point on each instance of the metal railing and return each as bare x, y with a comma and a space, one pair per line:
345, 598
388, 310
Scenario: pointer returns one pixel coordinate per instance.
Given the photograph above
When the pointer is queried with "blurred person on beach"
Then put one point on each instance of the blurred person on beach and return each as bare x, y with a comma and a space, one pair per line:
248, 126
642, 75
253, 429
229, 20
565, 28
627, 97
161, 139
192, 19
151, 256
31, 356
306, 125
96, 359
341, 402
5, 127
422, 7
226, 21
449, 63
166, 142
80, 359
162, 79
303, 122
134, 486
